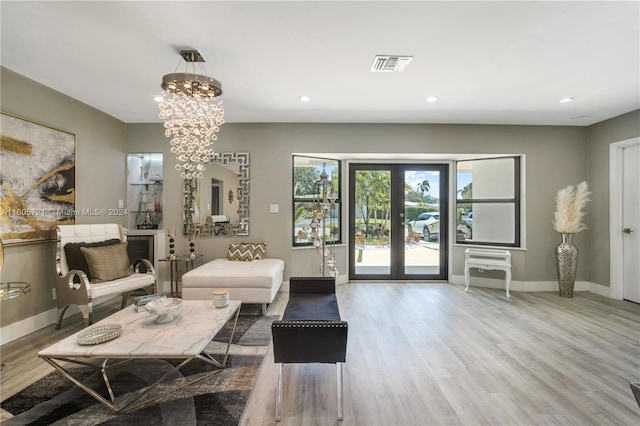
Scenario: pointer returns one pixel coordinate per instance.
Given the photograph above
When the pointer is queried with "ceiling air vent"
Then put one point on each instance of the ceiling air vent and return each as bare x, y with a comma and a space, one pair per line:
390, 63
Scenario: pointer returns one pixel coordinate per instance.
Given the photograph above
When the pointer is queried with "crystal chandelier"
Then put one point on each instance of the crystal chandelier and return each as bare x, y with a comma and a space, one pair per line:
192, 115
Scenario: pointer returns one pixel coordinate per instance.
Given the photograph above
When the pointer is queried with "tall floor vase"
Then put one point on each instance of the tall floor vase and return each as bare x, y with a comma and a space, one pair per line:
567, 262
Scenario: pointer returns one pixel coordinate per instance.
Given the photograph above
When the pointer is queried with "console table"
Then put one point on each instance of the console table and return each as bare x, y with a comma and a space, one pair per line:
10, 290
187, 259
488, 259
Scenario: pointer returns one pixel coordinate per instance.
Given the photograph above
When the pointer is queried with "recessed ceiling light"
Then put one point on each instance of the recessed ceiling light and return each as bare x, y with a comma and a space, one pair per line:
432, 98
305, 98
158, 98
565, 100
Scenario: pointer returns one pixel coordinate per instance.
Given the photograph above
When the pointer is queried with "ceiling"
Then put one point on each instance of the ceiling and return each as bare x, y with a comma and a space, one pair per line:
488, 62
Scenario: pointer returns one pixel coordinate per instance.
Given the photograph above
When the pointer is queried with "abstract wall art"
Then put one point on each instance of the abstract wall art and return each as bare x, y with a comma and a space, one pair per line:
37, 180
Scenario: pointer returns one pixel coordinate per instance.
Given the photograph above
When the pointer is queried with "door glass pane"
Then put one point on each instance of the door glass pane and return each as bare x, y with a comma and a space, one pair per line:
422, 222
372, 222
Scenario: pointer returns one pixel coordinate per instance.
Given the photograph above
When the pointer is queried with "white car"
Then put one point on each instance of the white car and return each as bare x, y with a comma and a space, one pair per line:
468, 219
427, 224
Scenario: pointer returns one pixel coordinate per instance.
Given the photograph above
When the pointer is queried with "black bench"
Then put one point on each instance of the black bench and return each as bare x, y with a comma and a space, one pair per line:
311, 330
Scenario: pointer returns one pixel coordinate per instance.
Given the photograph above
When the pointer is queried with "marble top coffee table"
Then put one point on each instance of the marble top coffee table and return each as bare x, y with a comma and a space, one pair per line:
186, 337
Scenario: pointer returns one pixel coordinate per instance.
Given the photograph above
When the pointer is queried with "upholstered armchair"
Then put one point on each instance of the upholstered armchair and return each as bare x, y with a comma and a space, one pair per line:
311, 331
92, 261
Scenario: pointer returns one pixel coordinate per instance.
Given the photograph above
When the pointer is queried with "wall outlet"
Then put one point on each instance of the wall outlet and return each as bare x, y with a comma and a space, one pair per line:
480, 270
273, 208
54, 294
120, 204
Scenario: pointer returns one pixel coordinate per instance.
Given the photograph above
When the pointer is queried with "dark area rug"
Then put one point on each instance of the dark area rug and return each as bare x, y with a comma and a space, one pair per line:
218, 400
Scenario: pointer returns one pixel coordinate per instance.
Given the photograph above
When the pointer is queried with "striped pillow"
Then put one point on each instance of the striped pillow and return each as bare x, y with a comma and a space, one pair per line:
107, 263
240, 251
259, 250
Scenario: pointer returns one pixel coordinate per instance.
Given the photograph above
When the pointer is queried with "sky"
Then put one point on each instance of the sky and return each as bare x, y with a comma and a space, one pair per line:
414, 177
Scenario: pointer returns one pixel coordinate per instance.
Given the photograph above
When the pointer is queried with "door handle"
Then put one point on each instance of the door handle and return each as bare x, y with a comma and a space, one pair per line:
627, 230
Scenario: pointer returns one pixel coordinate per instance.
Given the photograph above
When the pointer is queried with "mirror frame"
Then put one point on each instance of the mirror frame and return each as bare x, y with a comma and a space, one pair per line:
242, 196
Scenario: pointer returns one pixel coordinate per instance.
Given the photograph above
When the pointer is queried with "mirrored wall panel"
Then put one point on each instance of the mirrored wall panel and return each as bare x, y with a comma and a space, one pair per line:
218, 204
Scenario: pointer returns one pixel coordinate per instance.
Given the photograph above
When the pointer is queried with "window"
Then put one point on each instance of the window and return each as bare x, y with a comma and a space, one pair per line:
306, 171
488, 202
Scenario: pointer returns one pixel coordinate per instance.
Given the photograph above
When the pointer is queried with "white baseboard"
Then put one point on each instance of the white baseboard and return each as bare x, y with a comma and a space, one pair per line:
27, 325
531, 285
44, 319
599, 289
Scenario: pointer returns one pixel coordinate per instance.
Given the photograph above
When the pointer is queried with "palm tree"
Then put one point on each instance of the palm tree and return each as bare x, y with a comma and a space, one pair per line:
424, 186
380, 191
372, 195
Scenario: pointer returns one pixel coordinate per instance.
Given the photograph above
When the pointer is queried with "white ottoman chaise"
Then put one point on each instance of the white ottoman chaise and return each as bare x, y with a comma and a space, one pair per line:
257, 281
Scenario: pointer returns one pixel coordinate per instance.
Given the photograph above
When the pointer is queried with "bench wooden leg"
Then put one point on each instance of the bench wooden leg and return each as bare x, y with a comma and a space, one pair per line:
507, 281
279, 392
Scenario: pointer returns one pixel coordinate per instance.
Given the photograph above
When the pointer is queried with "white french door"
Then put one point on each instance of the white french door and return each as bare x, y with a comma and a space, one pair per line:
398, 221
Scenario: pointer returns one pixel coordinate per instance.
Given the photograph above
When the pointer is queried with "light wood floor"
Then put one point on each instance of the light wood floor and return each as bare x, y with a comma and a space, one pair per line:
430, 354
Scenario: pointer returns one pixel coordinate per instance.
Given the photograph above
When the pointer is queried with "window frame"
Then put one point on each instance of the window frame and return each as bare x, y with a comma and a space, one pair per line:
295, 200
515, 200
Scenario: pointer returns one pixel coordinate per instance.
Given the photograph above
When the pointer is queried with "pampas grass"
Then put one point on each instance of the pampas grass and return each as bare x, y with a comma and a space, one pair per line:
570, 204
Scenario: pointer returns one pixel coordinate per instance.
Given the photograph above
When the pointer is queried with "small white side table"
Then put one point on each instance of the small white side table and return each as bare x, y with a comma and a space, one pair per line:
488, 259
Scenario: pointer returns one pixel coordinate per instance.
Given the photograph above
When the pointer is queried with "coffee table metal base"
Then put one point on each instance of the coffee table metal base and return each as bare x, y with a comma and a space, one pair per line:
137, 401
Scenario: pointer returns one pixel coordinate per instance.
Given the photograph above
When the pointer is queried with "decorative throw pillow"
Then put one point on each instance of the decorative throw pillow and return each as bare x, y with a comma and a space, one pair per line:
240, 251
259, 250
75, 257
108, 263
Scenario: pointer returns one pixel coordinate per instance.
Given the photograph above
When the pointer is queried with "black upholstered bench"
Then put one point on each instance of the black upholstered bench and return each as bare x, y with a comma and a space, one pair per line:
311, 330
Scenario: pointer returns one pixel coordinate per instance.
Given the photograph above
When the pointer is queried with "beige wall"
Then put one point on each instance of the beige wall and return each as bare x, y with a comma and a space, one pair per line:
599, 137
555, 157
100, 181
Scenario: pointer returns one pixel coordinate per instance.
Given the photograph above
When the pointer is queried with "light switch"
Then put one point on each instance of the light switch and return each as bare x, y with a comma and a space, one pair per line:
273, 208
120, 204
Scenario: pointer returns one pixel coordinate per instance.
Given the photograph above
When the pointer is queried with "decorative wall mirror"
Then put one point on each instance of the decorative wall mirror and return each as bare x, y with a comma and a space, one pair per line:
218, 204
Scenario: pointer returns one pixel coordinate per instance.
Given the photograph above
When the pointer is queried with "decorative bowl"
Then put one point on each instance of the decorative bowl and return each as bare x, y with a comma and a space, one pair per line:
97, 334
163, 308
